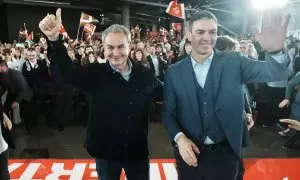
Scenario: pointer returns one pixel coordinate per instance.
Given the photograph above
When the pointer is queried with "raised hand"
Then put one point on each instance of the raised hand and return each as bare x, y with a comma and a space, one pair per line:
51, 24
273, 31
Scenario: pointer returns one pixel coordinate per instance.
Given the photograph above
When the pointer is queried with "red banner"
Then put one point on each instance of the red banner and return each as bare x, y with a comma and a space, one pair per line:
89, 28
176, 10
176, 27
160, 169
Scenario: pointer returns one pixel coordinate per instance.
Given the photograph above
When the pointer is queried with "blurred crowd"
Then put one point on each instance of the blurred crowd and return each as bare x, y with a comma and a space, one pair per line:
61, 104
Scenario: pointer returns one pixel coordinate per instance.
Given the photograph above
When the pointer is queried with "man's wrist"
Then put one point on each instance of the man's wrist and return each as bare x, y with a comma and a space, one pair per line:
278, 52
54, 38
178, 136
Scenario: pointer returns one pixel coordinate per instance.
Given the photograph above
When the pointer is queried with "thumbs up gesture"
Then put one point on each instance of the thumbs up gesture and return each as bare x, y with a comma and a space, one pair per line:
51, 25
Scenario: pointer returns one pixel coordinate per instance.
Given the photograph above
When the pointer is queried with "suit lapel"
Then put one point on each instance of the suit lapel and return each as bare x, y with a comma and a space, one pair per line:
188, 78
217, 69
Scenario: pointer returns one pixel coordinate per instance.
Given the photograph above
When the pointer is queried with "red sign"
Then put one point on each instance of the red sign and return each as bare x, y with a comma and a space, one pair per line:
90, 28
176, 10
176, 26
160, 169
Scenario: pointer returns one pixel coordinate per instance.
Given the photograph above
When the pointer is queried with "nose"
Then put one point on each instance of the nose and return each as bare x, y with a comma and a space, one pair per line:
115, 52
206, 36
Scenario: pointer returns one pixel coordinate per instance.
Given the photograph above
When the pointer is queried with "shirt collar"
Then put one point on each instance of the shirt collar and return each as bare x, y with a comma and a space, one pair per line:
153, 56
125, 74
206, 62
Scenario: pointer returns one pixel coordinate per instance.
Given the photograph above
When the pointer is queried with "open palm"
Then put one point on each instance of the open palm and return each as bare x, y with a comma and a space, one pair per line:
273, 31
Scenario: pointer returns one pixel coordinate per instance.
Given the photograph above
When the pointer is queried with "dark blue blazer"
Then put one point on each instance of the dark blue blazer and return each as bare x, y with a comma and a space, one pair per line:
230, 72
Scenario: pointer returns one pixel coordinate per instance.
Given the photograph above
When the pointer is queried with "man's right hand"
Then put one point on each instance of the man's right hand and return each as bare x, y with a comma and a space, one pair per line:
187, 150
284, 103
51, 25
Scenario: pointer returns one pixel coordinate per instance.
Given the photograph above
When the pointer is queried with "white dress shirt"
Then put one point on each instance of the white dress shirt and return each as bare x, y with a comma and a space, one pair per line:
156, 65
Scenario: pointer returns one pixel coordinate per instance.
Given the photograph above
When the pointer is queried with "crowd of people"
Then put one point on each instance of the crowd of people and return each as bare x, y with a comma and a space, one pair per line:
38, 79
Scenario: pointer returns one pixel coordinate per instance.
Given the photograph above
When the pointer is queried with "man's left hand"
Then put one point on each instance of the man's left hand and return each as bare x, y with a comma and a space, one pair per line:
6, 122
273, 31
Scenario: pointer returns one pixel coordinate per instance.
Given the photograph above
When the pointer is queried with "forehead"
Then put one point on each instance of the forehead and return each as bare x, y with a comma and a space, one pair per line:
115, 39
205, 25
243, 44
31, 52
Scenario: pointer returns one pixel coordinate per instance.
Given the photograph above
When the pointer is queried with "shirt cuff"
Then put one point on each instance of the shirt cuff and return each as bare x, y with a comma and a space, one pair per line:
177, 136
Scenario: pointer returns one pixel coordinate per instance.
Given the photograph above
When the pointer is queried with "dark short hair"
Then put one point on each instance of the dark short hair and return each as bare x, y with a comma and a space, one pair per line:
244, 42
3, 63
31, 49
224, 43
202, 14
158, 45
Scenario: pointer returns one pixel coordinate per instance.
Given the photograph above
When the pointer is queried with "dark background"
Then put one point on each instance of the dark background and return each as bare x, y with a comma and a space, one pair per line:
12, 16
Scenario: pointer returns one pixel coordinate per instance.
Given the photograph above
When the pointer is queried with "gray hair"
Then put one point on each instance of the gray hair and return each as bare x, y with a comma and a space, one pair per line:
117, 28
202, 14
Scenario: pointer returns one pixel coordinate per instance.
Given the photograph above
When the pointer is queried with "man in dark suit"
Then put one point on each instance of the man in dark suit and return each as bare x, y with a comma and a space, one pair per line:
120, 91
157, 64
36, 73
203, 98
16, 86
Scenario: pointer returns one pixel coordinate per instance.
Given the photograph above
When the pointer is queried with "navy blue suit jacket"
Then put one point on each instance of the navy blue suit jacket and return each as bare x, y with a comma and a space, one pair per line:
230, 72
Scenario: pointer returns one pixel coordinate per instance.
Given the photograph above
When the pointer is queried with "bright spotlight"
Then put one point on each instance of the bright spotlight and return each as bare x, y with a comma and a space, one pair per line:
267, 4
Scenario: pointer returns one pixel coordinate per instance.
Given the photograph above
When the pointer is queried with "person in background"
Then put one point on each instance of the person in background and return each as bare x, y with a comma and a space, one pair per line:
252, 53
71, 54
292, 86
18, 60
187, 49
100, 55
226, 44
89, 59
140, 58
5, 128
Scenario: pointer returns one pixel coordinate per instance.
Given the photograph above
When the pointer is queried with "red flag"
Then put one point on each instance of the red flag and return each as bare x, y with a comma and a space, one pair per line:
176, 26
90, 28
176, 10
63, 31
30, 36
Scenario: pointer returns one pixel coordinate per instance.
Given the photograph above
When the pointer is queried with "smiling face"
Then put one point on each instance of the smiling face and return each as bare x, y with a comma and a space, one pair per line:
138, 55
116, 48
203, 36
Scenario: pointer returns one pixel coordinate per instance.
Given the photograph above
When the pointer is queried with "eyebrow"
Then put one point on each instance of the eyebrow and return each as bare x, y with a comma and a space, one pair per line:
197, 30
115, 46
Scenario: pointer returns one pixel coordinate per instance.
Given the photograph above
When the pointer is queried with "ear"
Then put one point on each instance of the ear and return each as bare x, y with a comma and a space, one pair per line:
189, 36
